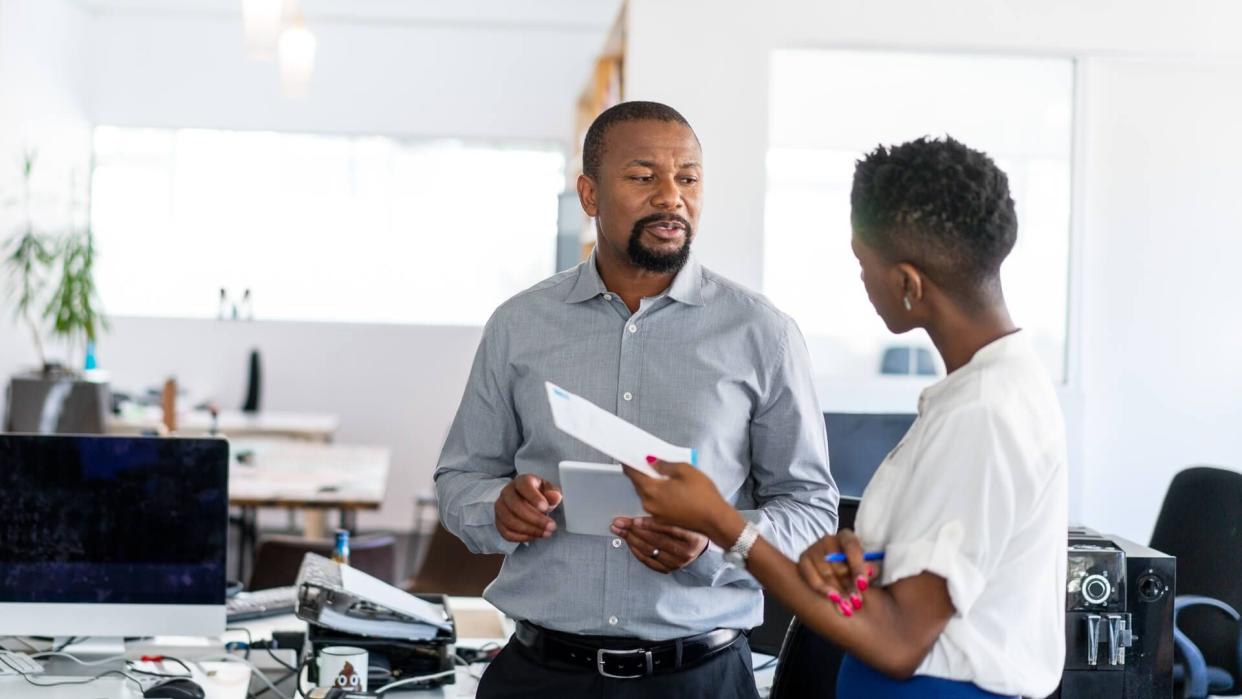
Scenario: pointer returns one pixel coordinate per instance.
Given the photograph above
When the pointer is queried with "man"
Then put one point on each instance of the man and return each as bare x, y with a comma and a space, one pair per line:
643, 330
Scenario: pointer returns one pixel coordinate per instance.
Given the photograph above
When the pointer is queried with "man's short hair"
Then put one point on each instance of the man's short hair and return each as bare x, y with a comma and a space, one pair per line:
939, 205
593, 146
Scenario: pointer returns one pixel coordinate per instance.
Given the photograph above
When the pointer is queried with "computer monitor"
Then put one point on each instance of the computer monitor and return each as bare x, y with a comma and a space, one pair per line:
112, 536
858, 443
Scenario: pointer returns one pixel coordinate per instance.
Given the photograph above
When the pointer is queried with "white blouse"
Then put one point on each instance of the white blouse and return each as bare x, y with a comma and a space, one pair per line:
976, 494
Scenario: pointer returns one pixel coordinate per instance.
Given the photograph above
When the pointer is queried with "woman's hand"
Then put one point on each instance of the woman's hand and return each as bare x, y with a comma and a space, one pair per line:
842, 583
687, 498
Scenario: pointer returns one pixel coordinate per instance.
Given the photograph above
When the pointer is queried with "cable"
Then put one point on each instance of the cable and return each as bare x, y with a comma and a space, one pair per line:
88, 680
68, 642
249, 638
279, 682
76, 659
415, 680
282, 663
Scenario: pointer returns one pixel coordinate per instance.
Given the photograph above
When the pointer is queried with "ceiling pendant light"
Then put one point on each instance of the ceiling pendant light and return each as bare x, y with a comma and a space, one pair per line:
262, 22
296, 51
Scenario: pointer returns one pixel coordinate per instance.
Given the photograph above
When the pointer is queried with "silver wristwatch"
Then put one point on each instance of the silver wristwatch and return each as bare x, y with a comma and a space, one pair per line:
740, 550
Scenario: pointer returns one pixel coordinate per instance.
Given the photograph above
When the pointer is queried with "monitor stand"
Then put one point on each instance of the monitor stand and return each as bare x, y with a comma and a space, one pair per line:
91, 647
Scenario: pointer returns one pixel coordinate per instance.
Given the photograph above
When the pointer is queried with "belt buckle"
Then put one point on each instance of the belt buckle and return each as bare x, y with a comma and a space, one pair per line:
600, 658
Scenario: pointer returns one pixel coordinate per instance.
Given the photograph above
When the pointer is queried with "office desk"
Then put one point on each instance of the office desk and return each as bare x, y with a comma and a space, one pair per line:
308, 476
226, 680
311, 427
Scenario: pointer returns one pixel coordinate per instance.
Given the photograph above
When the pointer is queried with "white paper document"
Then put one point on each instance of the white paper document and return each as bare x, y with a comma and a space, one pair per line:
600, 429
382, 594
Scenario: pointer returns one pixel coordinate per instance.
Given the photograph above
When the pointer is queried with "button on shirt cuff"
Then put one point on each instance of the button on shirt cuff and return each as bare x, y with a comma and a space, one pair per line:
941, 555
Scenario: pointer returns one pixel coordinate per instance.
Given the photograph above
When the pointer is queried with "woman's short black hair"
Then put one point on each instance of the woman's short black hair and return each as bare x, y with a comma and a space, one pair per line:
940, 206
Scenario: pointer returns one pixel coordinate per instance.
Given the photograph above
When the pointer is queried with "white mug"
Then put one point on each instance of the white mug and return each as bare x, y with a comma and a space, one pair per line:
343, 667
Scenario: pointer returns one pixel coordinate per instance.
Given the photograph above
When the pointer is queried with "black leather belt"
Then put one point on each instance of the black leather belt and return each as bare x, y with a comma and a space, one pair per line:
623, 658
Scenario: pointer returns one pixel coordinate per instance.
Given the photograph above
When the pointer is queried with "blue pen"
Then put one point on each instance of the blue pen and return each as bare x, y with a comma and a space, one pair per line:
868, 556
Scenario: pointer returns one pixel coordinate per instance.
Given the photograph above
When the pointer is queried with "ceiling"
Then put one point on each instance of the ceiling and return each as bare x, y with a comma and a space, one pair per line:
570, 14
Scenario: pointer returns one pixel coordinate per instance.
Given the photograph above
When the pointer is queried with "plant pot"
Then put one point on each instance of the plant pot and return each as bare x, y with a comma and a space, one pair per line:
56, 401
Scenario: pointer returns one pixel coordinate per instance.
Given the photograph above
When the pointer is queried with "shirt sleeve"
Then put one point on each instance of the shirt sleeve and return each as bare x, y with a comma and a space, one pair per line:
477, 460
793, 489
958, 507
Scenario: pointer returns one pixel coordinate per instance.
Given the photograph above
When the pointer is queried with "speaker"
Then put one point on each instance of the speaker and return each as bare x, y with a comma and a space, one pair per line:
253, 384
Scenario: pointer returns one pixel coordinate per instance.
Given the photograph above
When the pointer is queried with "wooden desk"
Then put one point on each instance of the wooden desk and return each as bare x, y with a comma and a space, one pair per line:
304, 475
312, 427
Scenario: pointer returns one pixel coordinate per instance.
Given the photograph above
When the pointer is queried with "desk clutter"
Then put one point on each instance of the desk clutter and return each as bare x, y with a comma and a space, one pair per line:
405, 639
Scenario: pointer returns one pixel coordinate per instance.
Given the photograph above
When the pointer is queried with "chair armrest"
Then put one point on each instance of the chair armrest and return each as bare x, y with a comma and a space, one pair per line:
1190, 651
1185, 601
1195, 685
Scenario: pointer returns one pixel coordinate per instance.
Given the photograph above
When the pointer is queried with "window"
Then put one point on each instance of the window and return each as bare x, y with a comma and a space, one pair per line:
828, 108
326, 228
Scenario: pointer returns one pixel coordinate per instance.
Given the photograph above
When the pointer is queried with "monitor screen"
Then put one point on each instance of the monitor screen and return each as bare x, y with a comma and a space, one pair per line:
113, 520
858, 443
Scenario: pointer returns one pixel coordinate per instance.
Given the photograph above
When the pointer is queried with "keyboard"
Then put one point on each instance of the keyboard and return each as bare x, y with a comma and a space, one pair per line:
18, 664
262, 603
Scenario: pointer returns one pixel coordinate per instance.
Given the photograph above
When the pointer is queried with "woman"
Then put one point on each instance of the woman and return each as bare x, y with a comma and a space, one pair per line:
970, 508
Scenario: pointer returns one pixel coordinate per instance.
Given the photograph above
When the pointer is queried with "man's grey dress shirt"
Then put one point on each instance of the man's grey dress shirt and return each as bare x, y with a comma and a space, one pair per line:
708, 364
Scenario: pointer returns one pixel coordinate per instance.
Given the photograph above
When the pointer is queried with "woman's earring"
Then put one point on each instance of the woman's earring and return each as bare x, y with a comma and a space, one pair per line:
905, 301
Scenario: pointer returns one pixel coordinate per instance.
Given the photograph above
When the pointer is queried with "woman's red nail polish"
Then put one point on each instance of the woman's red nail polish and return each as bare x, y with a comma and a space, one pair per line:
847, 611
651, 459
835, 596
870, 572
862, 584
856, 601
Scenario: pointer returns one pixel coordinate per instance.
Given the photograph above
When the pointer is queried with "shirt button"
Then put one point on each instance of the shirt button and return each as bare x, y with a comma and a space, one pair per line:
633, 328
612, 621
627, 395
616, 543
607, 297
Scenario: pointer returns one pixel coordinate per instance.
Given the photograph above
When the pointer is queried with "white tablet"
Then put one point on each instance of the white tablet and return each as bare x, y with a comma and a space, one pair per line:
594, 494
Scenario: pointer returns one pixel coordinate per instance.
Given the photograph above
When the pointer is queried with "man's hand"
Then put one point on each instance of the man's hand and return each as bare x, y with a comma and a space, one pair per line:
661, 547
523, 507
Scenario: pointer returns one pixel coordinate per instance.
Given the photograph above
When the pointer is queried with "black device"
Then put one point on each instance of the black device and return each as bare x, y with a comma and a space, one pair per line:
858, 443
104, 520
400, 659
254, 384
1118, 619
175, 688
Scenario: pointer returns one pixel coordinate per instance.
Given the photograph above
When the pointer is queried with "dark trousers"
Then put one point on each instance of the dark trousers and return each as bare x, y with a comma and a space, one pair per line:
516, 673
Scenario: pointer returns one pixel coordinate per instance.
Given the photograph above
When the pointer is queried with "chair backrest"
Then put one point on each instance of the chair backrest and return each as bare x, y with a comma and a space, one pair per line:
278, 558
773, 634
1200, 523
452, 569
807, 666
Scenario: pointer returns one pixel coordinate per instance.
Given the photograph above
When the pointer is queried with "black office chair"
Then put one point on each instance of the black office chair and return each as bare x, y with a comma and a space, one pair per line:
1200, 523
806, 664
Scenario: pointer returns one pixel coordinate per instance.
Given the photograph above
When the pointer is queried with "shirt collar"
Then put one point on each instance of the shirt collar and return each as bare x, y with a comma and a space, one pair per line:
1012, 345
687, 286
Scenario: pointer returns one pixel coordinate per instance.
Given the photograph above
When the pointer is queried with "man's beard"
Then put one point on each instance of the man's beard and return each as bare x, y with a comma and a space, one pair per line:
659, 262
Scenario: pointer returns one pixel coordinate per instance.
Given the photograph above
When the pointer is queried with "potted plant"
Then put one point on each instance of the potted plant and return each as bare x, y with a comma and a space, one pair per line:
52, 285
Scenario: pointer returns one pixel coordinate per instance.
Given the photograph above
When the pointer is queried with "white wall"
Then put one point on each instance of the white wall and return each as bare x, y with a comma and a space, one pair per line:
42, 105
370, 78
393, 385
1162, 354
717, 76
493, 70
42, 89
